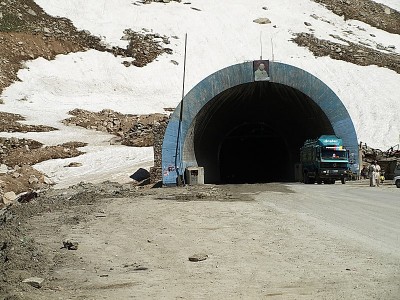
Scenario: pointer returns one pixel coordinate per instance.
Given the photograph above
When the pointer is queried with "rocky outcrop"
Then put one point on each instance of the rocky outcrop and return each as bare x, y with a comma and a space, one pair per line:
354, 53
130, 130
375, 14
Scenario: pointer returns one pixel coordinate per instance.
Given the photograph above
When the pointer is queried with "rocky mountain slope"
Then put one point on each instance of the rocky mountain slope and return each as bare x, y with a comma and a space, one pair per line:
27, 33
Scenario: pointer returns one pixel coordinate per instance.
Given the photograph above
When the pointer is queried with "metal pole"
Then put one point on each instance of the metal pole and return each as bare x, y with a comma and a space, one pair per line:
272, 49
178, 150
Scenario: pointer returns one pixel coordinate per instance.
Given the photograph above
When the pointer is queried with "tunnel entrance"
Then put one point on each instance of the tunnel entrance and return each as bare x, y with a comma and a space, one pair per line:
243, 130
252, 133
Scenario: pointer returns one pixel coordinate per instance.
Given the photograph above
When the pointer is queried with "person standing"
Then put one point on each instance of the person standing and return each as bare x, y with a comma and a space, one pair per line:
372, 174
378, 173
364, 173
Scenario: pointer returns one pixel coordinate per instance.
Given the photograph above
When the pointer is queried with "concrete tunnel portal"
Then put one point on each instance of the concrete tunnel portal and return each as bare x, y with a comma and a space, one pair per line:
252, 132
242, 130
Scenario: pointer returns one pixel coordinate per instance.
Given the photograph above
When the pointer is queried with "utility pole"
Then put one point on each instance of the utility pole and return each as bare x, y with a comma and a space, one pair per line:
178, 152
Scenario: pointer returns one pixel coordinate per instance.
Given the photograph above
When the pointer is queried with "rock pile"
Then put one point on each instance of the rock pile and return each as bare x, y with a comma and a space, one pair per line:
141, 133
144, 48
8, 145
370, 154
16, 158
9, 123
130, 130
17, 182
19, 152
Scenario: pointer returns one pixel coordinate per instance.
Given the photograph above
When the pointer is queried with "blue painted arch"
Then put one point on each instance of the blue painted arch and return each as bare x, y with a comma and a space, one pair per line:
178, 148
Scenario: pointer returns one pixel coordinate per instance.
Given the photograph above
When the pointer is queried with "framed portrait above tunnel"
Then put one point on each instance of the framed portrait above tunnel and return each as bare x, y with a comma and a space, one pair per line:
261, 70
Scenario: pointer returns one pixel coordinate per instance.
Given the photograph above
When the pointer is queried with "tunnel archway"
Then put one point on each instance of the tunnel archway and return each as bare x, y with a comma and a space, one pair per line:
242, 131
253, 132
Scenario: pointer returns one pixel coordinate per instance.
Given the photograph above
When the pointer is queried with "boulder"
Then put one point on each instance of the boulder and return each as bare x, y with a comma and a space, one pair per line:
3, 169
70, 245
36, 282
198, 257
262, 21
33, 179
9, 198
46, 180
73, 165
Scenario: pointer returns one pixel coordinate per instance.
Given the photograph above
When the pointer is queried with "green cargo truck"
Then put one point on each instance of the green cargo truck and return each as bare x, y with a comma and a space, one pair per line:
324, 160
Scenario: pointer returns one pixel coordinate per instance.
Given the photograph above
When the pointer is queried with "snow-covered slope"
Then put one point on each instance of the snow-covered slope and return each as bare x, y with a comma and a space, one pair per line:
220, 33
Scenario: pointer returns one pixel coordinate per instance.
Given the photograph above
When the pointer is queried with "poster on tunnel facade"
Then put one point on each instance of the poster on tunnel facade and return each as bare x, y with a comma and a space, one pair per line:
261, 70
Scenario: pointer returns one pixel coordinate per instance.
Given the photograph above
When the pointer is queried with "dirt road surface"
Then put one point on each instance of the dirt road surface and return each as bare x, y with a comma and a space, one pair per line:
269, 241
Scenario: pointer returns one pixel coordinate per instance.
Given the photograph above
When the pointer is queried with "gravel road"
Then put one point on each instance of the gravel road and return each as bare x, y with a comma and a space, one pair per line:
270, 241
370, 216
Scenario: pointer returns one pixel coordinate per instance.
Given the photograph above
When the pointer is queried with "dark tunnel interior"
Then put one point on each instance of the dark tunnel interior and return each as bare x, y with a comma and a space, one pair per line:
252, 133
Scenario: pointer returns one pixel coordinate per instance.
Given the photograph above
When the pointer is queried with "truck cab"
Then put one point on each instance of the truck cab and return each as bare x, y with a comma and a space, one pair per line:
324, 160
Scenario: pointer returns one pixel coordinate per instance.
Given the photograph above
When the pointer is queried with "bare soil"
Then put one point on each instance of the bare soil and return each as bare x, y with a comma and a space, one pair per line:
140, 243
24, 253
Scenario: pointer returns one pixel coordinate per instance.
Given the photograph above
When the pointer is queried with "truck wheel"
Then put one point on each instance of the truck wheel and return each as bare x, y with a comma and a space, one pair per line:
343, 180
398, 183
